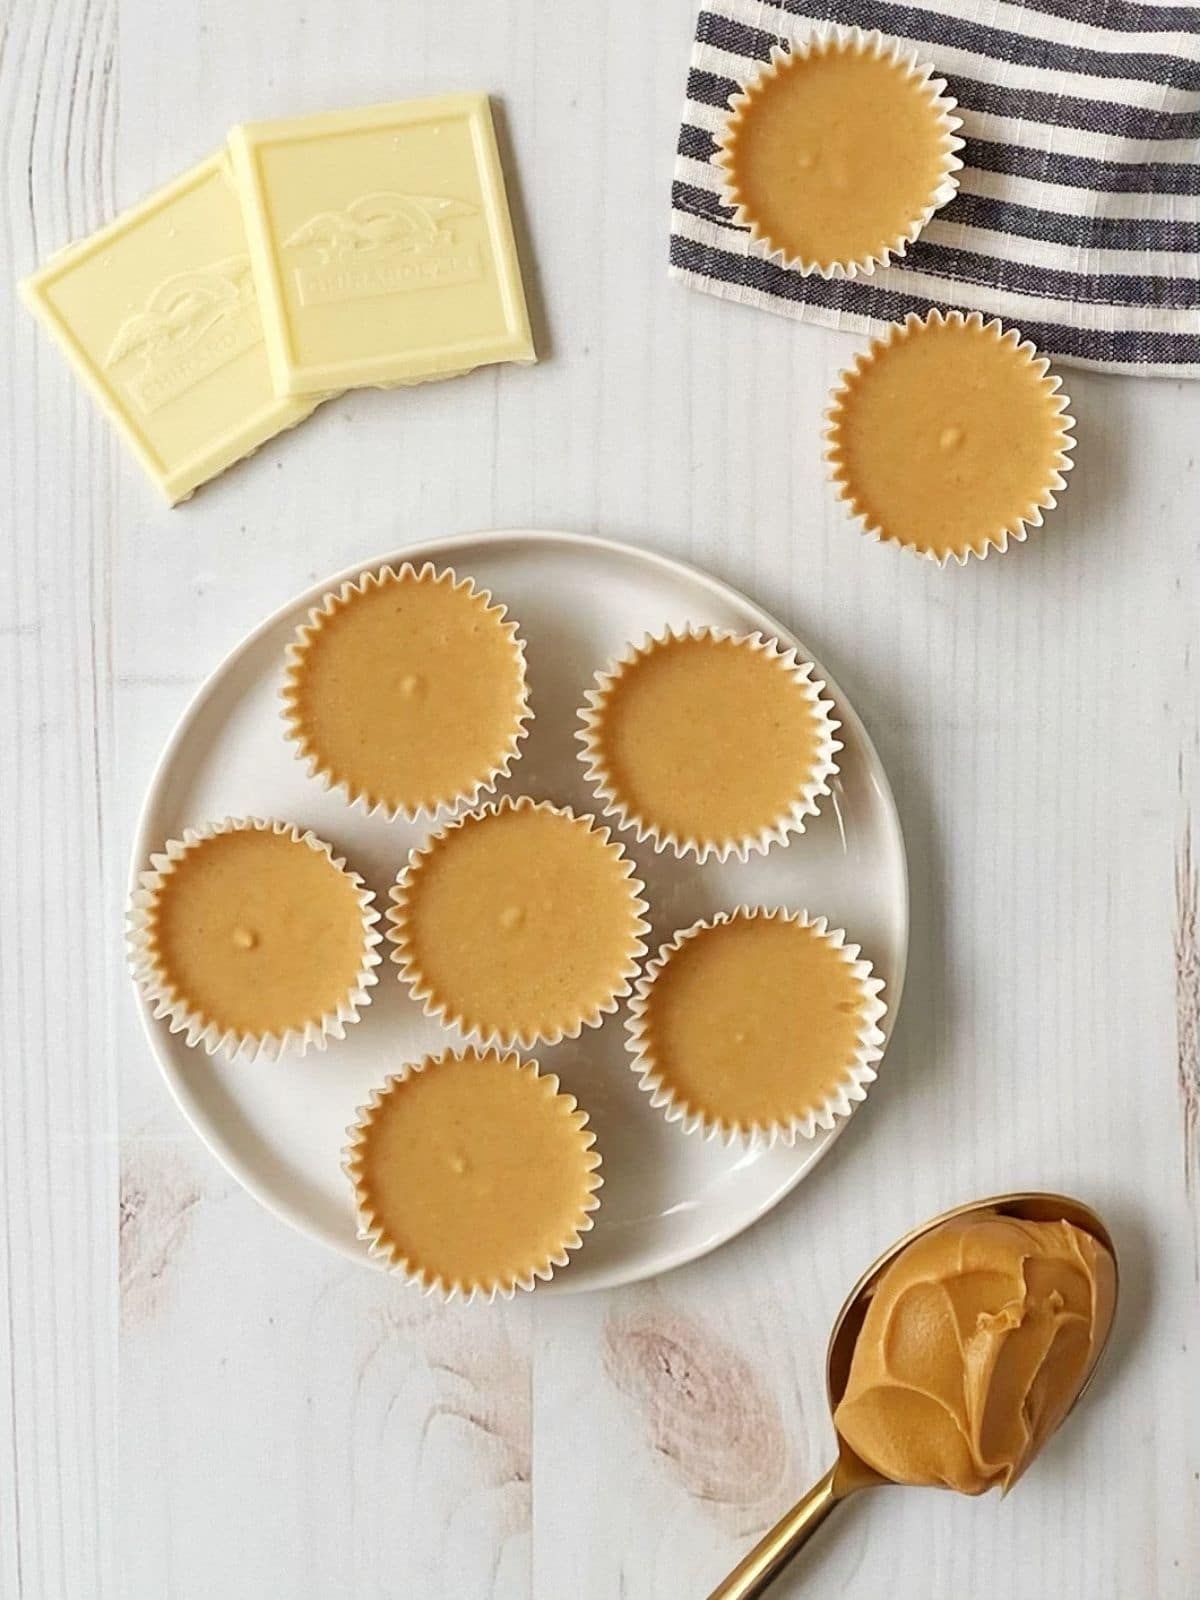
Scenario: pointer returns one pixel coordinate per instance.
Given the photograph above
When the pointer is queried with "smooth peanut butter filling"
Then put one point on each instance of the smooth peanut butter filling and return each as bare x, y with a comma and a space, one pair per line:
408, 690
948, 436
835, 156
753, 1021
524, 920
257, 932
473, 1171
708, 739
978, 1339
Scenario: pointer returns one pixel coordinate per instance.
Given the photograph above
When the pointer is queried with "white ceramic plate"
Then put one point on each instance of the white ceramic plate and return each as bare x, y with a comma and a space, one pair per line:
667, 1197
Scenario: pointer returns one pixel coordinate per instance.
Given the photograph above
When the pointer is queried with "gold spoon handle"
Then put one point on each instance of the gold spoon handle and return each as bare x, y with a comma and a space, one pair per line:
775, 1549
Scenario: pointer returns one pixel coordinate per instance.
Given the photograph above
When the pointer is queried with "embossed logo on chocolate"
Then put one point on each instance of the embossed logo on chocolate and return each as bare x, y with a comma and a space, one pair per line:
191, 325
382, 244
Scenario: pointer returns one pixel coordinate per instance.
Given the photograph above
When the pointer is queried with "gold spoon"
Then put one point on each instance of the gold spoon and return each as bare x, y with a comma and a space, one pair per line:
775, 1549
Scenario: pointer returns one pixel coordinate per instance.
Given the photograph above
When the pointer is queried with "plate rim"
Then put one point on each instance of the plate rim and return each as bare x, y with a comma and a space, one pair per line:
431, 550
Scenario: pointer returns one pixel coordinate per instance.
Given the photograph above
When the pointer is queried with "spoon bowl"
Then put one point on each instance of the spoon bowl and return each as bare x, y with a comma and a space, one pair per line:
849, 1473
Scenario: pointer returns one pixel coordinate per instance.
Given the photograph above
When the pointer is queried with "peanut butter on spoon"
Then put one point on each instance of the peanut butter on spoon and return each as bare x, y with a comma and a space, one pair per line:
954, 1358
976, 1342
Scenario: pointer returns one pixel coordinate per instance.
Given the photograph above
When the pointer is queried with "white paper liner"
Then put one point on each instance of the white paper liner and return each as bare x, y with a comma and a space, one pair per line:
842, 40
860, 1074
372, 1233
207, 1035
807, 802
1056, 482
343, 784
441, 1009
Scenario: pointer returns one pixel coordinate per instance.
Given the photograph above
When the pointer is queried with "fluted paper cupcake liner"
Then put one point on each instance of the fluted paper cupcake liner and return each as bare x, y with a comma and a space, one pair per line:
851, 1090
200, 1031
344, 784
626, 815
373, 1232
444, 1010
841, 40
1017, 529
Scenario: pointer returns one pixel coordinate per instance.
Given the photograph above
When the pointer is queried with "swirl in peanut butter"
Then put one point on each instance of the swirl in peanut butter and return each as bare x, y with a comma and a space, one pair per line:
978, 1338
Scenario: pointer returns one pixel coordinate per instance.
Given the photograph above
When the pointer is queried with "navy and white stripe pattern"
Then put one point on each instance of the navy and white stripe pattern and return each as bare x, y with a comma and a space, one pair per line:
1078, 214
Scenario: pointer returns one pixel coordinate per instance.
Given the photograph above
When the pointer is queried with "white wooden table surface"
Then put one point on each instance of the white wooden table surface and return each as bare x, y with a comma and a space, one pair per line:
194, 1402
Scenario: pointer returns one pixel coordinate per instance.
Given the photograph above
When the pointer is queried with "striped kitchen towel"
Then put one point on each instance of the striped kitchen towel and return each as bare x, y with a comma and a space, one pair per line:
1078, 212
